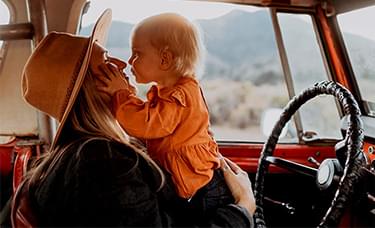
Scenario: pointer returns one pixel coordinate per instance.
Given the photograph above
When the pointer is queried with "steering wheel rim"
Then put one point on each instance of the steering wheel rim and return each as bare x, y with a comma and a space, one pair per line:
354, 136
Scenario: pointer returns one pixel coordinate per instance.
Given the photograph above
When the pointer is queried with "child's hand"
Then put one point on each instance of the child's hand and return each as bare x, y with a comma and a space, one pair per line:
113, 80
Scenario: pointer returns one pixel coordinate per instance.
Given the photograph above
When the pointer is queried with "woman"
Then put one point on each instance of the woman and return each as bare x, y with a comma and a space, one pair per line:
93, 175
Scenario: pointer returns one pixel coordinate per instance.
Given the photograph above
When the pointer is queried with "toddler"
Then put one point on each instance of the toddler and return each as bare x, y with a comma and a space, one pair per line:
174, 121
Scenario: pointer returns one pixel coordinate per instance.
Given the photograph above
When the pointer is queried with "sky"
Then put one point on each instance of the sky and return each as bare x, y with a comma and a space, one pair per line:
356, 22
4, 16
359, 22
4, 13
131, 11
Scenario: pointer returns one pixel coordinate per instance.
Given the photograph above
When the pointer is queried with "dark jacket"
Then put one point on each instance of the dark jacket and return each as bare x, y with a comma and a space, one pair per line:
107, 184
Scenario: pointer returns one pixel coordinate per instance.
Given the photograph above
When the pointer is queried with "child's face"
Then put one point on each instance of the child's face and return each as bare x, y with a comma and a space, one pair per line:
145, 60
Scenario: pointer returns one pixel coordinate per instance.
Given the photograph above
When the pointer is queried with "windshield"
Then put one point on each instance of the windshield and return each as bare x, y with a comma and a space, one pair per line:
242, 81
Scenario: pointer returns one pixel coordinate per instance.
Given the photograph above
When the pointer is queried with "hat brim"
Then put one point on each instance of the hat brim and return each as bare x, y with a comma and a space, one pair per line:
99, 34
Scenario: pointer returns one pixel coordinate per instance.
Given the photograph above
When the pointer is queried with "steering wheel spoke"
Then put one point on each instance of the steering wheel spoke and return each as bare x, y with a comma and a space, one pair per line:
292, 166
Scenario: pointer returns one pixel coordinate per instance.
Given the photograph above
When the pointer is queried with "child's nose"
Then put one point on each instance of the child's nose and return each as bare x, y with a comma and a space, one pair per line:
130, 60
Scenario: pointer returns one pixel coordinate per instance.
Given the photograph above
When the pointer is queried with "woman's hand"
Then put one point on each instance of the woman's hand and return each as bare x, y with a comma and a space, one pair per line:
239, 184
113, 80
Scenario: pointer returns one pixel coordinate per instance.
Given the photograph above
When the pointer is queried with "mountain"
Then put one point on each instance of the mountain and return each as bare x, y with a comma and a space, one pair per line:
241, 45
222, 36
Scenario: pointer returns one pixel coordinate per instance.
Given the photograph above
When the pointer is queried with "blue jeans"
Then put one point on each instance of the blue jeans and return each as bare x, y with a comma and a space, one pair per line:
213, 195
199, 209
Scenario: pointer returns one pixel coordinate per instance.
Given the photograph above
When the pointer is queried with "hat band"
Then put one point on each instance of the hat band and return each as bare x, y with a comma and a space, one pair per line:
73, 80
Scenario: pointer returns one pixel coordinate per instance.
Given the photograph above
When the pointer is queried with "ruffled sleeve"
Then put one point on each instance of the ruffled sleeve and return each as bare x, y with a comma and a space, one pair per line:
179, 96
155, 118
175, 95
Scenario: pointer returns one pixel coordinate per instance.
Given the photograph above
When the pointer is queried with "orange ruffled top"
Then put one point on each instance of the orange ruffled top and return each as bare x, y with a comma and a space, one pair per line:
174, 123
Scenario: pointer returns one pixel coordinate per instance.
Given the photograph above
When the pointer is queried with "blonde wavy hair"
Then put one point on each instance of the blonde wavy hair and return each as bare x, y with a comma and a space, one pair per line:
173, 32
91, 116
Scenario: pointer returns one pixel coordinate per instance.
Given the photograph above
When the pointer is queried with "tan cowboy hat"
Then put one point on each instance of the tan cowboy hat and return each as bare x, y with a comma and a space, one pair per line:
54, 73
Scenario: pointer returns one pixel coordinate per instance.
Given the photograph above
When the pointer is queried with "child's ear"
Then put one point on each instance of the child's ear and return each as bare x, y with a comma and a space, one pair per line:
166, 59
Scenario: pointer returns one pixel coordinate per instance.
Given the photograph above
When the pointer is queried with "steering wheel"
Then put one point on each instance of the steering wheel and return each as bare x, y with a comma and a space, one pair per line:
353, 162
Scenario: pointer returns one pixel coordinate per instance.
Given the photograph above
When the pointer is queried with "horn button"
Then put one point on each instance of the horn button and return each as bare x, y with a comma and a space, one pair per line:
329, 172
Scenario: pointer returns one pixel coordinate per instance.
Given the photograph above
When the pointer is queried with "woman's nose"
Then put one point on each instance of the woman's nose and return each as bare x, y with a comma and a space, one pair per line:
119, 63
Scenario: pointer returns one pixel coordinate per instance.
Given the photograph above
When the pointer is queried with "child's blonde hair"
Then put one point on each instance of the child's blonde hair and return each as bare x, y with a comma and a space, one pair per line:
173, 32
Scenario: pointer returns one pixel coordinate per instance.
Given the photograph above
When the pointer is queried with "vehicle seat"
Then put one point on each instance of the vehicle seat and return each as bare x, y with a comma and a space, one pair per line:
21, 212
22, 215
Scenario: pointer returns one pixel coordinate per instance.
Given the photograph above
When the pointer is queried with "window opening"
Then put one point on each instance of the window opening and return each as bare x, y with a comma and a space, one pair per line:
359, 36
243, 81
4, 19
319, 117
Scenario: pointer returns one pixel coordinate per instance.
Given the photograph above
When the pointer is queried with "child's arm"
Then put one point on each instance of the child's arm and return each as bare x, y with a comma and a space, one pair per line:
146, 120
138, 118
